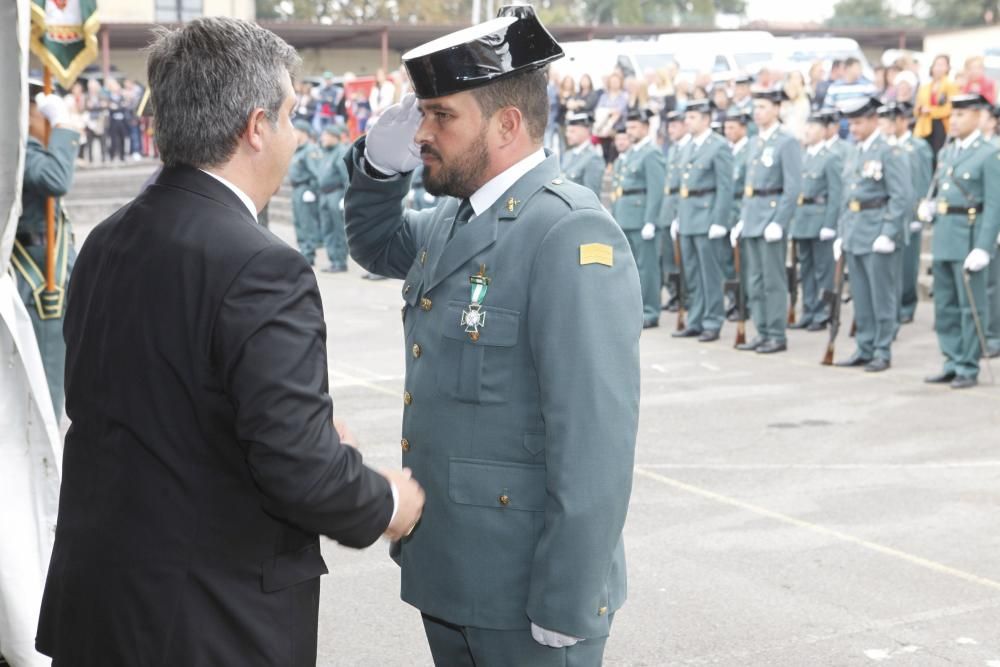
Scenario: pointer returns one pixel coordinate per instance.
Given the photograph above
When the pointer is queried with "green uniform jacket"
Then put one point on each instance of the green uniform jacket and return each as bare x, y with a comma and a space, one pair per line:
739, 181
644, 170
523, 438
421, 199
303, 173
962, 177
821, 174
668, 207
707, 167
919, 160
46, 173
774, 164
881, 172
584, 167
332, 170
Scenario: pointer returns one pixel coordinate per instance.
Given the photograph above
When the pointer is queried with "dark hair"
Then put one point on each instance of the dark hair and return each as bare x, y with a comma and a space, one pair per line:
527, 91
851, 62
206, 78
836, 63
941, 56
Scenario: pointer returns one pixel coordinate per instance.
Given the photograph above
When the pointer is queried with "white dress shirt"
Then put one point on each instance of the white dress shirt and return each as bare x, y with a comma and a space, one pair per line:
487, 195
236, 191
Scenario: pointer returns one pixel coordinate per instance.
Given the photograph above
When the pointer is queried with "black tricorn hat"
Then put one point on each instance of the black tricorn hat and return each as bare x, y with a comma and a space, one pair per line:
514, 42
774, 94
641, 115
859, 107
675, 116
895, 110
35, 86
580, 118
701, 106
738, 115
825, 116
970, 101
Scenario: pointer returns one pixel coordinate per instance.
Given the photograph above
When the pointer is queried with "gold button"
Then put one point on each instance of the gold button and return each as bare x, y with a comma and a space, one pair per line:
423, 256
407, 398
602, 611
504, 499
405, 444
556, 181
425, 304
416, 351
406, 289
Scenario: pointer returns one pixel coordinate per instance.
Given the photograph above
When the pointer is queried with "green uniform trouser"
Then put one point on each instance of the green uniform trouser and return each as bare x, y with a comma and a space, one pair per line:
455, 646
875, 291
331, 219
953, 322
305, 216
668, 267
767, 286
816, 267
647, 259
911, 271
992, 321
703, 276
725, 252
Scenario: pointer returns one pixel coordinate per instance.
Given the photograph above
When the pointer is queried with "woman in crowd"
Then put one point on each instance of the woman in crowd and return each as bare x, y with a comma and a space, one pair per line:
97, 114
933, 107
382, 96
795, 110
586, 98
611, 108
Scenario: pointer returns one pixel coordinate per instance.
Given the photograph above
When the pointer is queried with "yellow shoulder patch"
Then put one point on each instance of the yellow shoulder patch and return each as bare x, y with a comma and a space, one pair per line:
597, 253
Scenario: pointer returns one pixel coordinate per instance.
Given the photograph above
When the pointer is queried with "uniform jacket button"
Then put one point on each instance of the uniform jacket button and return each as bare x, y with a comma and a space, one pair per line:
426, 304
407, 398
504, 499
602, 611
405, 444
416, 351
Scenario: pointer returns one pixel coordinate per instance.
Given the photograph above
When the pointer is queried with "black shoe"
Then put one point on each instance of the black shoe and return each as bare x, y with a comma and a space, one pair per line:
771, 346
906, 319
877, 366
373, 276
650, 324
801, 324
671, 305
817, 326
335, 268
686, 333
751, 345
708, 336
961, 382
944, 377
732, 316
992, 352
853, 361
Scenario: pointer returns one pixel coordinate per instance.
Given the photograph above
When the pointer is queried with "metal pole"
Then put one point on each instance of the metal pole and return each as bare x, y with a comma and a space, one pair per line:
476, 7
385, 50
50, 206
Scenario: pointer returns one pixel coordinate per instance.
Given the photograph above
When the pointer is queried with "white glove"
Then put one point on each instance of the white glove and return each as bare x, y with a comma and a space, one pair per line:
926, 210
551, 638
884, 245
977, 260
675, 229
429, 198
717, 232
53, 108
648, 232
827, 234
390, 147
308, 196
916, 226
838, 249
773, 232
341, 204
734, 233
998, 239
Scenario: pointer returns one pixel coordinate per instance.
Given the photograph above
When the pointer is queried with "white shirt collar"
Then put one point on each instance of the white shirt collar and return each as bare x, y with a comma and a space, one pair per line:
905, 137
487, 195
685, 140
965, 143
738, 146
816, 148
768, 133
584, 145
642, 142
700, 139
236, 191
867, 143
831, 141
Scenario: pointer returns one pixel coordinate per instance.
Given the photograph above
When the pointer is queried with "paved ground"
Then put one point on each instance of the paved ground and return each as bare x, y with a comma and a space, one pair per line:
782, 513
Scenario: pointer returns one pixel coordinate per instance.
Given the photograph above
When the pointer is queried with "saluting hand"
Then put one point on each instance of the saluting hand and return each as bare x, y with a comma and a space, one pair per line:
389, 146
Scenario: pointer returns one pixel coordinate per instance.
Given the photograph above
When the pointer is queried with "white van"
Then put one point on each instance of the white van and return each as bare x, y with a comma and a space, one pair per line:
801, 52
724, 53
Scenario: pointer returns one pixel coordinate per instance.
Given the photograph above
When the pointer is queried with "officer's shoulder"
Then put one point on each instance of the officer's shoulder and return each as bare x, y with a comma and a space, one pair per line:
566, 196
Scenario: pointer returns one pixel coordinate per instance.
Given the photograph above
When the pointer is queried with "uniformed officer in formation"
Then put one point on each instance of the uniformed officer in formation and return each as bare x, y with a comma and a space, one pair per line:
704, 207
303, 173
332, 183
833, 140
875, 207
992, 324
636, 208
679, 137
814, 226
966, 215
48, 172
770, 197
582, 162
896, 118
735, 131
522, 319
743, 99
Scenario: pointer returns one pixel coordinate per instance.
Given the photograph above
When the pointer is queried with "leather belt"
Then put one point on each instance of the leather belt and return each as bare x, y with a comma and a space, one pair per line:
668, 191
31, 239
685, 193
750, 192
634, 191
299, 184
971, 211
857, 205
803, 201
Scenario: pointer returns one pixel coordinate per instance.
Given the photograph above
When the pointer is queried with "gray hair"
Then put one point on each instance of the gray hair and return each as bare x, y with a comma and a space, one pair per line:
205, 80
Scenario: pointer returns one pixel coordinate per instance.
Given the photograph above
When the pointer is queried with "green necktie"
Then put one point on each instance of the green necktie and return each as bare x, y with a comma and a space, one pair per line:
463, 215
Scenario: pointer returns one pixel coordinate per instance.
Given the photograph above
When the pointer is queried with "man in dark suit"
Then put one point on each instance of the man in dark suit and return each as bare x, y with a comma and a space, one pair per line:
203, 461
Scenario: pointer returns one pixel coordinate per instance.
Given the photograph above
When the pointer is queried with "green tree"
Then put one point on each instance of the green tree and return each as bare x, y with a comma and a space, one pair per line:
861, 13
959, 13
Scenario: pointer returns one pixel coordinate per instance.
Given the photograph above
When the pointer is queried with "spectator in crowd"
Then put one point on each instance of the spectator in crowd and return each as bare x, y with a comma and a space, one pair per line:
881, 81
817, 75
638, 94
698, 93
661, 92
682, 92
118, 129
851, 86
611, 109
836, 72
976, 80
327, 97
586, 98
720, 102
904, 87
133, 98
78, 108
382, 95
361, 109
933, 107
305, 102
795, 110
891, 72
97, 117
567, 91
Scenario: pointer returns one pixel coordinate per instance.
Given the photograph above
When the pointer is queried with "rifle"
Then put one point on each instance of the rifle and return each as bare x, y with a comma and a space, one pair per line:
834, 299
736, 286
681, 285
793, 282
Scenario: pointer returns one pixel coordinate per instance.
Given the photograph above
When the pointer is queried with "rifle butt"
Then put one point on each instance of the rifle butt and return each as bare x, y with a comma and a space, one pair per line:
828, 357
681, 324
741, 334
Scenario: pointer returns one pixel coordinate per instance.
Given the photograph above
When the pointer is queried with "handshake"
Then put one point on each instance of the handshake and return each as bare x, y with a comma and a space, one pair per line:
407, 494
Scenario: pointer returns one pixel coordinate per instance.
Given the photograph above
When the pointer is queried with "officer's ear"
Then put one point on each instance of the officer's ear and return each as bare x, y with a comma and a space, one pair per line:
254, 131
510, 120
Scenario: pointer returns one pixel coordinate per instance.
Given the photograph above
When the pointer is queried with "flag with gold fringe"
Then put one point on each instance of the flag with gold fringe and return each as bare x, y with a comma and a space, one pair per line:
64, 36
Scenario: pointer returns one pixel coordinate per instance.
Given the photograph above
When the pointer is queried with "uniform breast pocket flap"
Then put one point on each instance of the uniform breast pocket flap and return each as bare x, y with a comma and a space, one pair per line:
497, 484
477, 361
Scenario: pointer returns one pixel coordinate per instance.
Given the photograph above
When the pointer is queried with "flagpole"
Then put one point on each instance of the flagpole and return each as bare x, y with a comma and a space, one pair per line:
50, 206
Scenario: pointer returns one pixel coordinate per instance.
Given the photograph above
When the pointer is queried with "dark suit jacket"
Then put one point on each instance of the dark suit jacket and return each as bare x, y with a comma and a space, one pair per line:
202, 461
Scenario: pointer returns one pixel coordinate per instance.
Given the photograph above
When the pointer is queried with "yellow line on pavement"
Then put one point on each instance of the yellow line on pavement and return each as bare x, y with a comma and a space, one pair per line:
925, 563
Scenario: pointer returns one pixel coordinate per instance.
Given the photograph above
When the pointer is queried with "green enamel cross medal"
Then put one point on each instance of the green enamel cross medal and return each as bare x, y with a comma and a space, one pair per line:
473, 317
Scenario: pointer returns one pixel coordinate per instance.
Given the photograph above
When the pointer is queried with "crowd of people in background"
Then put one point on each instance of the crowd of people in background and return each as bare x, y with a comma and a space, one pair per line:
113, 125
